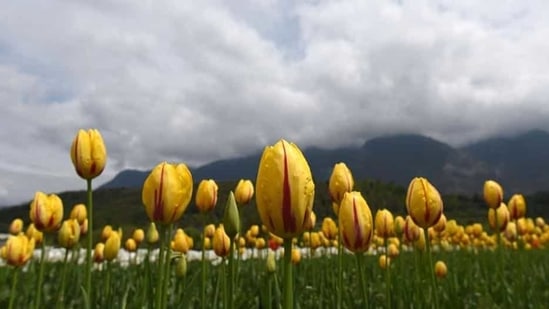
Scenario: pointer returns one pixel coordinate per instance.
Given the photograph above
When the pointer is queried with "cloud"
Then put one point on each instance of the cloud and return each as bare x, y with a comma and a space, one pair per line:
216, 79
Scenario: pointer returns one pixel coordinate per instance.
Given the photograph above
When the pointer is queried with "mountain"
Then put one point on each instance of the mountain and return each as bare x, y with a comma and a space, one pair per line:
518, 163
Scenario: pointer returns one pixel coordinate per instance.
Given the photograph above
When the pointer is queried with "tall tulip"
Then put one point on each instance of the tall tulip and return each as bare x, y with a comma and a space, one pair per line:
517, 206
89, 157
423, 203
356, 228
244, 192
341, 181
46, 212
493, 194
284, 198
206, 195
167, 192
221, 242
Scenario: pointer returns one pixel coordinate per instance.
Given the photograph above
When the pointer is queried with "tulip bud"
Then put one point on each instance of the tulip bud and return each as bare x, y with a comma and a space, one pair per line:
152, 234
420, 243
112, 246
517, 206
138, 235
69, 233
106, 232
392, 250
98, 253
207, 243
206, 195
88, 154
179, 243
181, 267
441, 224
260, 243
18, 250
167, 192
254, 230
296, 256
399, 225
130, 245
423, 202
271, 262
284, 189
209, 230
329, 228
355, 222
341, 181
502, 217
511, 231
384, 261
16, 226
35, 234
440, 269
46, 212
493, 194
384, 223
231, 218
221, 242
79, 213
84, 227
244, 192
411, 230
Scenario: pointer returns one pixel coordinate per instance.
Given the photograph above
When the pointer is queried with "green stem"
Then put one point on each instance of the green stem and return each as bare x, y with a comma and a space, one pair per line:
13, 287
108, 285
231, 274
288, 279
431, 267
160, 279
90, 242
339, 273
203, 287
387, 275
147, 296
167, 273
269, 291
40, 274
61, 297
361, 279
224, 283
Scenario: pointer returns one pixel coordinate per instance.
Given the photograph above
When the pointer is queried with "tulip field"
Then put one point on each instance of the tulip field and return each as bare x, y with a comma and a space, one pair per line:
359, 257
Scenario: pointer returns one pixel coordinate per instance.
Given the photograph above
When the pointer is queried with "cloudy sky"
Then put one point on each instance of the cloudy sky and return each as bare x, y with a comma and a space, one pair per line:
167, 80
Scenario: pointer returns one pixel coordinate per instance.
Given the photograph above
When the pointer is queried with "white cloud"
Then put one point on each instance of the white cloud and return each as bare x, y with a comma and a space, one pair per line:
167, 80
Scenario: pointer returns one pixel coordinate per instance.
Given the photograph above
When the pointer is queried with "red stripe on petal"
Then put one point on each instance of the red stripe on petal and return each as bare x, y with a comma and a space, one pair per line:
358, 230
158, 214
287, 215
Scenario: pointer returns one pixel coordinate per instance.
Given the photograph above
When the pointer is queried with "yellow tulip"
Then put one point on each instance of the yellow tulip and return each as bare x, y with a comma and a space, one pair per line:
284, 189
511, 231
106, 232
399, 225
314, 241
112, 246
88, 153
296, 256
329, 228
79, 213
167, 192
493, 194
18, 250
209, 230
16, 226
384, 261
84, 227
254, 230
221, 242
138, 235
441, 224
69, 233
206, 195
260, 243
35, 234
411, 230
392, 251
244, 192
46, 212
179, 242
423, 202
502, 214
341, 181
384, 223
98, 253
311, 222
517, 206
271, 262
440, 269
355, 222
130, 245
207, 243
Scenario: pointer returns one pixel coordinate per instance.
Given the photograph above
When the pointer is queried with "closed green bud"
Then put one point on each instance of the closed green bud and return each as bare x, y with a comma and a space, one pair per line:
181, 267
231, 218
152, 234
271, 262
